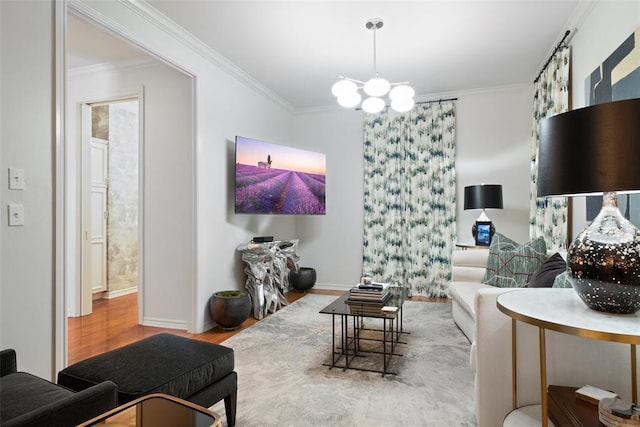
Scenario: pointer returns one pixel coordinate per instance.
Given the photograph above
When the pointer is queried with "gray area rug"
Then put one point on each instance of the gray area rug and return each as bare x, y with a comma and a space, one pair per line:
282, 380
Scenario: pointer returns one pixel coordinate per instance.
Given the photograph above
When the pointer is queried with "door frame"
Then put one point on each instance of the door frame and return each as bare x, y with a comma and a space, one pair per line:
80, 296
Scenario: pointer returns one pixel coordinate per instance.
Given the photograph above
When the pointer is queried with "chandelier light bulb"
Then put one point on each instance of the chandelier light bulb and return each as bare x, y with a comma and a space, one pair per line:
373, 105
401, 92
343, 87
402, 105
349, 99
377, 87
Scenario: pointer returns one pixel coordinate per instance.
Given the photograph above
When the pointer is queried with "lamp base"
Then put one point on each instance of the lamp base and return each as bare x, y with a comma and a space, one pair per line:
483, 230
604, 262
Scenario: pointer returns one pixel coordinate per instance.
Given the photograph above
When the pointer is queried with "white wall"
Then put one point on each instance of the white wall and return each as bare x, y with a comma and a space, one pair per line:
27, 142
225, 106
608, 24
494, 147
167, 178
332, 243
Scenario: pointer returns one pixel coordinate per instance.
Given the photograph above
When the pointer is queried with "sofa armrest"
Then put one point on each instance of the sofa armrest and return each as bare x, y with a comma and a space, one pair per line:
73, 410
469, 265
8, 363
492, 357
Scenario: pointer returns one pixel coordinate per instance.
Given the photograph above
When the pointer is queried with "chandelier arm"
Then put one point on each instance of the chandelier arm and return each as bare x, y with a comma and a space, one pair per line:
351, 80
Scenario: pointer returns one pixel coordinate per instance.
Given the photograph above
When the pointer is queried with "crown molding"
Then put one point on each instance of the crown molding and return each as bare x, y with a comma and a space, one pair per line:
151, 15
128, 65
473, 92
573, 24
430, 97
167, 25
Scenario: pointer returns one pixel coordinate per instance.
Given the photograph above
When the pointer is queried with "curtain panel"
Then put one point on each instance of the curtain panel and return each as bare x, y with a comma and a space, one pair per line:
410, 197
548, 216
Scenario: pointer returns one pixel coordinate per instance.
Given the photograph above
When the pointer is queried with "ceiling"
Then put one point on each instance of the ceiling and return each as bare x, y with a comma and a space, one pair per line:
296, 49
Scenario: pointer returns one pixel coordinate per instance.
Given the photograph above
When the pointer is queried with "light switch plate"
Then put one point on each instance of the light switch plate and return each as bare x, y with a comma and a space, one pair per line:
16, 214
16, 179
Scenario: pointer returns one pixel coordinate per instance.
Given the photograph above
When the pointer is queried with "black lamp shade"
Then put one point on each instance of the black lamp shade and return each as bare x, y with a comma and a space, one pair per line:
483, 197
590, 150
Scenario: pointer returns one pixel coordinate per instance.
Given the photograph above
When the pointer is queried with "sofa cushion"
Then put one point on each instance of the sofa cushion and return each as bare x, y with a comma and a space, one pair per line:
546, 274
562, 281
22, 393
511, 265
464, 294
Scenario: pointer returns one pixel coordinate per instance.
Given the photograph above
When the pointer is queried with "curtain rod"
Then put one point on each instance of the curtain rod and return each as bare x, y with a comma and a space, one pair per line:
420, 102
437, 100
558, 46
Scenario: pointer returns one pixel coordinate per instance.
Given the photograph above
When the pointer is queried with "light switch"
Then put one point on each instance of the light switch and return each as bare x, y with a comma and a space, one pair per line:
16, 179
16, 214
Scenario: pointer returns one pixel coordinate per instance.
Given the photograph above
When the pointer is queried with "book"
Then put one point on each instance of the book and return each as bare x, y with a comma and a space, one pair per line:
356, 293
615, 412
593, 394
360, 299
371, 287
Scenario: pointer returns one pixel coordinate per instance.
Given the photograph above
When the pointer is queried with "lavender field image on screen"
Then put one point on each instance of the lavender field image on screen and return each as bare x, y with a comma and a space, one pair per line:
276, 179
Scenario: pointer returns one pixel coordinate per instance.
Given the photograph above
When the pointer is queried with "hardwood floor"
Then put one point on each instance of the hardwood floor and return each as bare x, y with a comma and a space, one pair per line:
114, 323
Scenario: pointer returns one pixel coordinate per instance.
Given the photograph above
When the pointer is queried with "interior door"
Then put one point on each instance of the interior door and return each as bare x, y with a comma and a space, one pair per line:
99, 214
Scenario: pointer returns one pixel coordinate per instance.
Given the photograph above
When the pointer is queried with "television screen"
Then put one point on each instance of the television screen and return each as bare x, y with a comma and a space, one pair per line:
276, 179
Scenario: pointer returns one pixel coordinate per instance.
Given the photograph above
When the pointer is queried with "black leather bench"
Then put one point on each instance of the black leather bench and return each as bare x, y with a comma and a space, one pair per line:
196, 371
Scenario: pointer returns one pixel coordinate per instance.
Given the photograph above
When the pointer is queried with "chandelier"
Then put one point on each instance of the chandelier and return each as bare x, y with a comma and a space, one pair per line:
347, 90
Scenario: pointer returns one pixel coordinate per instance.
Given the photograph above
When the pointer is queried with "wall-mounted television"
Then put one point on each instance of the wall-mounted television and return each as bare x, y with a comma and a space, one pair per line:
276, 179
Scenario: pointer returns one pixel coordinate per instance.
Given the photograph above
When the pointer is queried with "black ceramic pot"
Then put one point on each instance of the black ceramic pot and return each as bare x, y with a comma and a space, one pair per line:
303, 279
230, 308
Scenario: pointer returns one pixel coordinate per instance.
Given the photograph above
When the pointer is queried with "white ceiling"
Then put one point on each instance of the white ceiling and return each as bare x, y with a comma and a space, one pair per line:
296, 49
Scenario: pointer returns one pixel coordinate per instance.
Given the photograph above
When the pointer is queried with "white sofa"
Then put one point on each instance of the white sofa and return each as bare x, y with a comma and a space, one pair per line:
571, 360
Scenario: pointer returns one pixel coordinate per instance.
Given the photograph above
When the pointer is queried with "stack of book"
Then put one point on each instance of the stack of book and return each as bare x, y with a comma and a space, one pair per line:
368, 298
615, 412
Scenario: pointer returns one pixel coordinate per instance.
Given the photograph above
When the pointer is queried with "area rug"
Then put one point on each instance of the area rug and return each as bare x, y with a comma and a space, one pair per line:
282, 380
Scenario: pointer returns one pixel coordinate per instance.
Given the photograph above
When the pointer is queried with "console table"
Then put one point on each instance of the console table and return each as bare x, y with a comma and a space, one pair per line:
267, 268
561, 310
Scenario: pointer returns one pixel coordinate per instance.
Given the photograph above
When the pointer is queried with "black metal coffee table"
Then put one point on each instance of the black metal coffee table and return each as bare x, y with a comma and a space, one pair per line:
349, 350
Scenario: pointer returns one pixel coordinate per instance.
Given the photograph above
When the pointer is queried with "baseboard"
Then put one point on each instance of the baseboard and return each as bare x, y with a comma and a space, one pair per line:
120, 292
332, 287
164, 323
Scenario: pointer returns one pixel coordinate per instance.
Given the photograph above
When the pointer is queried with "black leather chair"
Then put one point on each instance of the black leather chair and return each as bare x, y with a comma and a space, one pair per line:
27, 400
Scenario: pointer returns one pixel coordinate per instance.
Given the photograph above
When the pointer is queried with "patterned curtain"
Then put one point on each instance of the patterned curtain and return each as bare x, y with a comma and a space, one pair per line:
548, 216
410, 197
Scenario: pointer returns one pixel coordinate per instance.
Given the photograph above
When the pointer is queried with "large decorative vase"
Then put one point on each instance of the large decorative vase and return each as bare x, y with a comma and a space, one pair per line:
230, 308
303, 279
604, 262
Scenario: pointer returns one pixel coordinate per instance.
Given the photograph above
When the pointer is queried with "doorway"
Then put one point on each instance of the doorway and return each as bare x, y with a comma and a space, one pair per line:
105, 66
111, 194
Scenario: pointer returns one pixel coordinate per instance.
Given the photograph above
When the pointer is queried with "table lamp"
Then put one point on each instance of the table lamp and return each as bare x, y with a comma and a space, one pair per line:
596, 150
483, 197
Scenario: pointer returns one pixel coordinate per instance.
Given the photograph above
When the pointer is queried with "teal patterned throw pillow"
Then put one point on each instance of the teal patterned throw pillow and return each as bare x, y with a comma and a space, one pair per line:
562, 281
510, 265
